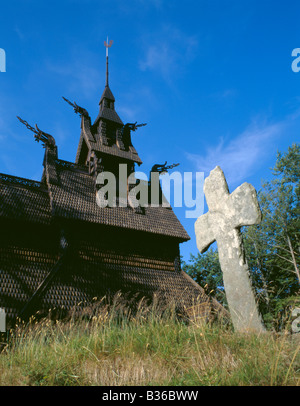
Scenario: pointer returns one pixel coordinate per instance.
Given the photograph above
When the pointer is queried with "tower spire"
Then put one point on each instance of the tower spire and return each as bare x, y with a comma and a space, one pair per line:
107, 45
107, 101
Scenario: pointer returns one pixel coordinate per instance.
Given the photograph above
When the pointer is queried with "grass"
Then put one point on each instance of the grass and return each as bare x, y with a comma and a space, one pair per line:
115, 347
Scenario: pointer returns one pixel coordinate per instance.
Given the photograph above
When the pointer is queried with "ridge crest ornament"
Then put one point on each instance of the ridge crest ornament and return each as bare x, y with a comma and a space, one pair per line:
227, 214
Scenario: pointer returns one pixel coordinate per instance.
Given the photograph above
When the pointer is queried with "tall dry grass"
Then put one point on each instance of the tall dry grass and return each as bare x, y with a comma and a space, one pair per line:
150, 346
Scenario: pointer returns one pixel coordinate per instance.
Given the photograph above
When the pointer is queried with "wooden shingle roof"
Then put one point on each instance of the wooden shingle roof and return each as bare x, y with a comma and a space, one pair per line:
75, 198
24, 199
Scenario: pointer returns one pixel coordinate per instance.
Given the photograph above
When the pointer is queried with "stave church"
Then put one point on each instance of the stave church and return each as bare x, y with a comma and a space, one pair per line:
60, 250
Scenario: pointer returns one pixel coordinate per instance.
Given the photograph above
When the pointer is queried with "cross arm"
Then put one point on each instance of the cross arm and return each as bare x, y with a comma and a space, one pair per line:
205, 235
246, 208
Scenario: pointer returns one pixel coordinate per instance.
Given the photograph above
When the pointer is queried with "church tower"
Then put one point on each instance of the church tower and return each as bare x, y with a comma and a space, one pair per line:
106, 144
60, 249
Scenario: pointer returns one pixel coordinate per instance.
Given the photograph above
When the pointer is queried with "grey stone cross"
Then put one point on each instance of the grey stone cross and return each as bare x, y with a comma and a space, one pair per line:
227, 214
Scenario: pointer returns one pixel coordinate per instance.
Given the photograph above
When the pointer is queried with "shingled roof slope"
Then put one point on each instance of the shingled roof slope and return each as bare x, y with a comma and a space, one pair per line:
108, 114
77, 284
95, 140
75, 198
24, 199
115, 151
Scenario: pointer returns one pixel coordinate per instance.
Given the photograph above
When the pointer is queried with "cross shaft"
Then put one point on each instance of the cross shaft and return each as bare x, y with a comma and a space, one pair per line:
227, 214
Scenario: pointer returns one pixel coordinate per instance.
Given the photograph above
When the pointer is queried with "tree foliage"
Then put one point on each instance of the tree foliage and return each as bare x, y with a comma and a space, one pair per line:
206, 271
272, 248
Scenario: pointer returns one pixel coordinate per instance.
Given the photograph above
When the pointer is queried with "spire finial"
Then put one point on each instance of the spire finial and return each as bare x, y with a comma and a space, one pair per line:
107, 45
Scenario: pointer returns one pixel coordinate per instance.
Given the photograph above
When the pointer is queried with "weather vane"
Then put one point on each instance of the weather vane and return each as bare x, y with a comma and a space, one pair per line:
108, 45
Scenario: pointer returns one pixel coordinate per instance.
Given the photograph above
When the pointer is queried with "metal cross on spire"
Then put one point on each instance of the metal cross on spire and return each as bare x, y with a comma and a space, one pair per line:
107, 45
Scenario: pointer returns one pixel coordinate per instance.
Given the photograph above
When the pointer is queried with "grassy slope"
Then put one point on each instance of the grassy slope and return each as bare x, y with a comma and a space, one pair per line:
150, 348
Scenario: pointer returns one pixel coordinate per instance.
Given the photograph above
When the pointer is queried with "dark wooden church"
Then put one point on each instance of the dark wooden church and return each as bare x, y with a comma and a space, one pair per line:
59, 249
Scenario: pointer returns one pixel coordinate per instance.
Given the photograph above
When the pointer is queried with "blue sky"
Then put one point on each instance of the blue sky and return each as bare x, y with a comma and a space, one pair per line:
211, 78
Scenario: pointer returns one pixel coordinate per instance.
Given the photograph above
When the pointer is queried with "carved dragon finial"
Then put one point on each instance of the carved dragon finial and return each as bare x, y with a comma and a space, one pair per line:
132, 126
46, 139
78, 110
162, 168
125, 132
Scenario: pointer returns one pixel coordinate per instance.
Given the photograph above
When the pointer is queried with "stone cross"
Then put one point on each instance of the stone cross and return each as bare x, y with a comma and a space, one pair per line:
227, 213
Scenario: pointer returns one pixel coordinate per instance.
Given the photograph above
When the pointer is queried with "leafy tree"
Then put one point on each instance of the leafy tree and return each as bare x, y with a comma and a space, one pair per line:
206, 271
273, 248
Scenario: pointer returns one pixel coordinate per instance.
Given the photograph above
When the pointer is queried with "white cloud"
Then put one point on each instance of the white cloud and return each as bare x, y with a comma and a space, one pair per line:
81, 78
242, 155
127, 113
167, 51
159, 57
